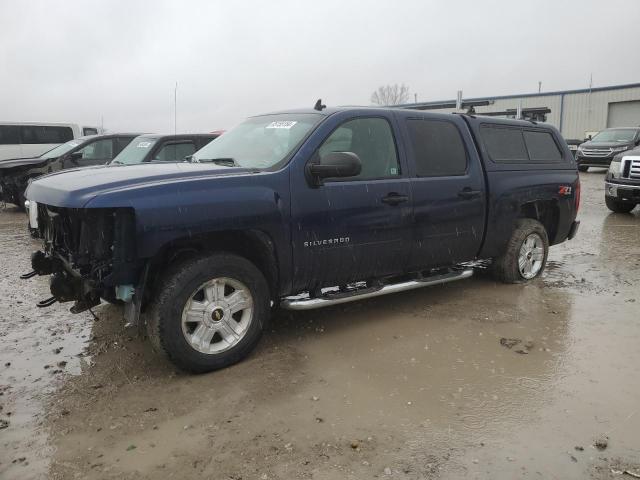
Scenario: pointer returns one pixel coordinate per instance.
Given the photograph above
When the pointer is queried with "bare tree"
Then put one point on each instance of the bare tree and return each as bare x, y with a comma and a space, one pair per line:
390, 95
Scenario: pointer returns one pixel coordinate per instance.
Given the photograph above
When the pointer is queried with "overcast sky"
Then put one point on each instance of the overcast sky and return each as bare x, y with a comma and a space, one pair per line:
78, 61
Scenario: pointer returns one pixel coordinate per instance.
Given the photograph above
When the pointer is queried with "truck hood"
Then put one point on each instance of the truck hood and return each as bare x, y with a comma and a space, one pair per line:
74, 188
21, 162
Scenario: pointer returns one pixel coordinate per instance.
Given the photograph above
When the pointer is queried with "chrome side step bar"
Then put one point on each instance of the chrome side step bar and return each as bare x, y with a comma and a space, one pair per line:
306, 303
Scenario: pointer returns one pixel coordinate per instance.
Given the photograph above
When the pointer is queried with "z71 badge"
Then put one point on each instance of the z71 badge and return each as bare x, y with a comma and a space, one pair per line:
327, 241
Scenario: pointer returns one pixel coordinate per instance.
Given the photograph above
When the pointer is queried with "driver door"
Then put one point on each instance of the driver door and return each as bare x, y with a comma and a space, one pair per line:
354, 228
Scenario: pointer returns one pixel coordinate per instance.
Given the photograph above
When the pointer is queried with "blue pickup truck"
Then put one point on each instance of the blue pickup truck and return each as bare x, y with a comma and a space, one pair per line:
302, 209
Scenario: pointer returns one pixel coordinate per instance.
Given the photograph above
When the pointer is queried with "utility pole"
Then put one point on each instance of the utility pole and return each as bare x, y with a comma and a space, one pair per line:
175, 109
415, 98
539, 86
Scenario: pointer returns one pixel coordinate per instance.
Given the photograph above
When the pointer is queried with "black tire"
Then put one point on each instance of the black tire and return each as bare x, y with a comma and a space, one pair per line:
505, 267
164, 324
582, 168
617, 206
20, 200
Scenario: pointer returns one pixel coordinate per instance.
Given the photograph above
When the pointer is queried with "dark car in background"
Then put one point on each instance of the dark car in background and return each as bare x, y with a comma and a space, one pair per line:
80, 152
163, 148
600, 150
622, 183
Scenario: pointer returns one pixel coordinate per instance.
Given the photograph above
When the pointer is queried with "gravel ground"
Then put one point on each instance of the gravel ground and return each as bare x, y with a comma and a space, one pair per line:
472, 379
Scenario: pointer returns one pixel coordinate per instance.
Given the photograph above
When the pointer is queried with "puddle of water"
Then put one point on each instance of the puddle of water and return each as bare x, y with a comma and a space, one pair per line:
31, 340
419, 382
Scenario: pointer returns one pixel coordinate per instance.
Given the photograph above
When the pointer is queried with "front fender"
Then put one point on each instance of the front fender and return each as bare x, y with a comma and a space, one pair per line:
173, 211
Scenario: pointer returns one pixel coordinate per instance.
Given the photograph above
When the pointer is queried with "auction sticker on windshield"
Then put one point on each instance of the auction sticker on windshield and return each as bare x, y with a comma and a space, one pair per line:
144, 145
281, 124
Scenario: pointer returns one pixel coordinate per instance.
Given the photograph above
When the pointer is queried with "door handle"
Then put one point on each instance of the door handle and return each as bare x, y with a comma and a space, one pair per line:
394, 199
467, 193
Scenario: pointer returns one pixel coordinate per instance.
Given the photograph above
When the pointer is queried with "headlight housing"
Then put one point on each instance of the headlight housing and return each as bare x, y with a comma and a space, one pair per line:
615, 168
620, 149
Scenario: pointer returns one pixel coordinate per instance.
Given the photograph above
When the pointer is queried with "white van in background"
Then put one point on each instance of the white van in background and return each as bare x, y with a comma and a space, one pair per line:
30, 139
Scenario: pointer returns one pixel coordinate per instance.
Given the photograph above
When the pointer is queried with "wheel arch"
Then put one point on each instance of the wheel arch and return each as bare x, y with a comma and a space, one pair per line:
254, 245
547, 212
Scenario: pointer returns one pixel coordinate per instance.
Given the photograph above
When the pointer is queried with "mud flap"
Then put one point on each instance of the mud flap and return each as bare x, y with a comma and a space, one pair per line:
573, 230
132, 309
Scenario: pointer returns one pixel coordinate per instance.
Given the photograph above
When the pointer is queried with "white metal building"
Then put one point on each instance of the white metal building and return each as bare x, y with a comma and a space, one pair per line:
573, 112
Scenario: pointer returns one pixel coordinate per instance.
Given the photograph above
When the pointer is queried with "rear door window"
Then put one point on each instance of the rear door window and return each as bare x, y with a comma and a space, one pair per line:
541, 147
504, 145
121, 142
437, 148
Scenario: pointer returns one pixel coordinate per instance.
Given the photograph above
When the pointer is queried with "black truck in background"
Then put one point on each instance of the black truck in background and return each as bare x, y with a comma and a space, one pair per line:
302, 209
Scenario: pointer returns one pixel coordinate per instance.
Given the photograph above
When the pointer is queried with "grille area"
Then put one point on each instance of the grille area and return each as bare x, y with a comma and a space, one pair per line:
597, 152
83, 237
634, 169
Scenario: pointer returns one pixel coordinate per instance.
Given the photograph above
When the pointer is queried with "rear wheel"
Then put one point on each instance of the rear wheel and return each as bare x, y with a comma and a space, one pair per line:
618, 206
582, 168
526, 254
210, 312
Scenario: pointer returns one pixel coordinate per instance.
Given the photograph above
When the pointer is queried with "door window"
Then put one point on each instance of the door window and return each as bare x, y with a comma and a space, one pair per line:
9, 135
372, 140
437, 148
37, 134
98, 150
174, 152
505, 145
541, 146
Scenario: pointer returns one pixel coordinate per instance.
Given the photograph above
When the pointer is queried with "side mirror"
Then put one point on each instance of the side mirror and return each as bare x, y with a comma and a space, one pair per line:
75, 156
335, 165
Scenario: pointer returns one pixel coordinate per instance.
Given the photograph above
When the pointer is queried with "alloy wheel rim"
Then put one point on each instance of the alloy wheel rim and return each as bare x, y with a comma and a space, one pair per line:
217, 315
531, 256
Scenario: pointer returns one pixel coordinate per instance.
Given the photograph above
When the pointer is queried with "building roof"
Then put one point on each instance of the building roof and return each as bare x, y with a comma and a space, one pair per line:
523, 95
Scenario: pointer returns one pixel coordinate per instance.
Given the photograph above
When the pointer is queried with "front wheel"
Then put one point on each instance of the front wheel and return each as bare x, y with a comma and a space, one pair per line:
526, 254
617, 206
210, 312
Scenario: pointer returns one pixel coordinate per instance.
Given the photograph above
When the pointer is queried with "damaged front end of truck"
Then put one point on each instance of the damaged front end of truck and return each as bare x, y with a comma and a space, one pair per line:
89, 254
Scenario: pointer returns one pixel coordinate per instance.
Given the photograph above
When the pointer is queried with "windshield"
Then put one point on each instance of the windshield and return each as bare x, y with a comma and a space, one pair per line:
135, 151
61, 149
625, 135
259, 142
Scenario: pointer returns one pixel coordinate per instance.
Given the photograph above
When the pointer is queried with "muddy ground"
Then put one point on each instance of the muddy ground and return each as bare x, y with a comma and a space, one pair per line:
411, 386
